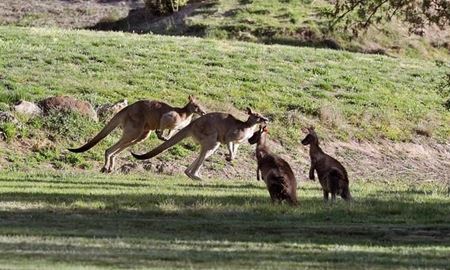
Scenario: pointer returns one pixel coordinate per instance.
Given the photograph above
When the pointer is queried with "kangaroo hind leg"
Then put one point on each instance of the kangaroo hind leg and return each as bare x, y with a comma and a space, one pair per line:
129, 137
205, 152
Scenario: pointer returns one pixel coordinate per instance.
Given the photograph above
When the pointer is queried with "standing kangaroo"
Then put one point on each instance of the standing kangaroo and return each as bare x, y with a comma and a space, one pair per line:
210, 130
137, 120
332, 175
276, 172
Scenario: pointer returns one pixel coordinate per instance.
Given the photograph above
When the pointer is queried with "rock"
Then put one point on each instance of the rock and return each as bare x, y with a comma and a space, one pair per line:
106, 111
27, 108
148, 166
6, 117
331, 43
67, 104
374, 48
126, 168
160, 168
163, 168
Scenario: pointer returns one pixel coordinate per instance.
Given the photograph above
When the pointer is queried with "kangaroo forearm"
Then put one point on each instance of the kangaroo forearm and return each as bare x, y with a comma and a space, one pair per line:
311, 173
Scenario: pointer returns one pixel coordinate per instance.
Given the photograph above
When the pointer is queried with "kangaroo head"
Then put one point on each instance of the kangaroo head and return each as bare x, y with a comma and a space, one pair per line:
194, 107
255, 118
311, 136
257, 135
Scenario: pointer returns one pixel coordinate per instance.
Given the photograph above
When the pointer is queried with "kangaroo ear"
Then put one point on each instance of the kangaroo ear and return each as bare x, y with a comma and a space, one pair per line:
305, 130
265, 129
311, 129
191, 98
249, 111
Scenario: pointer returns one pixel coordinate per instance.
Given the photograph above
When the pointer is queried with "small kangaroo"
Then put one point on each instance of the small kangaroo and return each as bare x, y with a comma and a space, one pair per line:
332, 175
137, 120
276, 172
210, 130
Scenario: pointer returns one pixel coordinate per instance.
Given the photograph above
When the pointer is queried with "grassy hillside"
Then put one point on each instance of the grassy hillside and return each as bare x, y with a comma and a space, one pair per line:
351, 95
294, 22
304, 23
67, 221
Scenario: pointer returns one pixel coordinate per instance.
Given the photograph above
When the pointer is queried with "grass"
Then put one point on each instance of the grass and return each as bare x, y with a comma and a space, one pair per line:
377, 97
291, 22
68, 219
261, 20
304, 23
71, 220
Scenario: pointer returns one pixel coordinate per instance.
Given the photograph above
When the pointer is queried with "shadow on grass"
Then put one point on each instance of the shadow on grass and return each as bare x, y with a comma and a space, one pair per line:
214, 228
212, 186
218, 255
143, 21
84, 185
145, 184
225, 218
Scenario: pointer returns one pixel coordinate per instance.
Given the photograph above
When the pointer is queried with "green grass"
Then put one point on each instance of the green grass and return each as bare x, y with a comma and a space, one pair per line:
372, 97
291, 22
263, 20
68, 220
74, 220
304, 23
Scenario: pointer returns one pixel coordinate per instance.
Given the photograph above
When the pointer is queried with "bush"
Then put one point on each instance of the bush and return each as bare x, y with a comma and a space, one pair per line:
165, 6
9, 129
68, 126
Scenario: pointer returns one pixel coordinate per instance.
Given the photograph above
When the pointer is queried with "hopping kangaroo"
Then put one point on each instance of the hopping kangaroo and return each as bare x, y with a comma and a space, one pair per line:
137, 120
332, 175
276, 172
210, 130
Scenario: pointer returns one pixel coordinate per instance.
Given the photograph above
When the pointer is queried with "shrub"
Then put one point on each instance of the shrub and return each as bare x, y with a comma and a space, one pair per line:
165, 6
68, 125
9, 129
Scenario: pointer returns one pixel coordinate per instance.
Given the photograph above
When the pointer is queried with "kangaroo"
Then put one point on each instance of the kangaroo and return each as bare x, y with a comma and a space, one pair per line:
332, 175
276, 172
137, 121
210, 130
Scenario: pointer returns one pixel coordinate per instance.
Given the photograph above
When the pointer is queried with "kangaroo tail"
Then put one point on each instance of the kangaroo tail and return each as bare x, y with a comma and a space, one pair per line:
112, 124
283, 190
179, 136
290, 193
346, 194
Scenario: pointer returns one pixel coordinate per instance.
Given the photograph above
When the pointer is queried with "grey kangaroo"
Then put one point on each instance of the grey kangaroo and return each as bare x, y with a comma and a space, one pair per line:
138, 120
210, 130
332, 175
276, 172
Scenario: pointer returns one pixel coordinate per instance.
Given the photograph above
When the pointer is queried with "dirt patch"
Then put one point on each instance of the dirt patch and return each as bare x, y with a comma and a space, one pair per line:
64, 13
422, 160
109, 15
417, 161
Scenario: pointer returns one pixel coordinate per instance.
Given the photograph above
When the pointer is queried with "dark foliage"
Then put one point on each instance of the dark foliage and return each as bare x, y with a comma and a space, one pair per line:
357, 15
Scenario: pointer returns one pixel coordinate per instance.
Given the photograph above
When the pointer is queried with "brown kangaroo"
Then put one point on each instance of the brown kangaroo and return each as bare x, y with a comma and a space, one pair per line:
332, 175
137, 120
276, 172
210, 130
